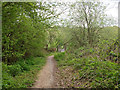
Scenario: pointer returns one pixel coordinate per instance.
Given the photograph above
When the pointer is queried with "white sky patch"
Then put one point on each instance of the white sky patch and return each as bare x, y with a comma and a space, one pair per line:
112, 9
59, 0
112, 5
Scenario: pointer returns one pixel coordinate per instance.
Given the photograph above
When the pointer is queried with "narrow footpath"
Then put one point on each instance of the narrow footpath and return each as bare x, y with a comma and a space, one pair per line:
46, 77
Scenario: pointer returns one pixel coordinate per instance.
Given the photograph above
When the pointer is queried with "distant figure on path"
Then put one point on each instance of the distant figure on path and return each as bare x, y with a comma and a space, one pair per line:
62, 50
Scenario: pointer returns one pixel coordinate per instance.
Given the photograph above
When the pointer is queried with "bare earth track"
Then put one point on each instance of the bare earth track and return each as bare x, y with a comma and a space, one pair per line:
46, 75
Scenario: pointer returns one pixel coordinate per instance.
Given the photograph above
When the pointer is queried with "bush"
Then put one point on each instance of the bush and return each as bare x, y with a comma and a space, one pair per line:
7, 80
59, 56
13, 76
14, 69
30, 62
98, 73
25, 64
102, 73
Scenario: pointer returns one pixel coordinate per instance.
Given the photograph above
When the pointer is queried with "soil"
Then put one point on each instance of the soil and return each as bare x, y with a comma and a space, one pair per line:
46, 76
52, 76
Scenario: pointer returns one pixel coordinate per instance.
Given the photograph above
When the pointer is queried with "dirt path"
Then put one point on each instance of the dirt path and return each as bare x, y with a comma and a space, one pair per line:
46, 75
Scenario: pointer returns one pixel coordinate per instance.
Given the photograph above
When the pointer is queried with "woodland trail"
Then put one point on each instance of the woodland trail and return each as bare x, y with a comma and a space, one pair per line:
46, 77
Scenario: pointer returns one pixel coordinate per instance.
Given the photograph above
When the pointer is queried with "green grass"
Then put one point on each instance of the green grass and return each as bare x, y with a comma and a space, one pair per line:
21, 74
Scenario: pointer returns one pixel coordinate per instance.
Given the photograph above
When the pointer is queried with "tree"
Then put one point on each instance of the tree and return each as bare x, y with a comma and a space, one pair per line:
89, 16
24, 29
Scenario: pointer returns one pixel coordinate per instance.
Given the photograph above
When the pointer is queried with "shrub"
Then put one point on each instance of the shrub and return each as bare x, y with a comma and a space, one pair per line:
105, 73
14, 69
59, 56
7, 80
25, 64
13, 76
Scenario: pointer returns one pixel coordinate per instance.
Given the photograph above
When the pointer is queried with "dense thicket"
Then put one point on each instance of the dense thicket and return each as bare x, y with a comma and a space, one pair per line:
24, 27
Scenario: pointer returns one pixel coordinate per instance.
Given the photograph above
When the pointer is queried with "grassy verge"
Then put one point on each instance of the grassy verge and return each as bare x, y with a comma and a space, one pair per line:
93, 72
21, 74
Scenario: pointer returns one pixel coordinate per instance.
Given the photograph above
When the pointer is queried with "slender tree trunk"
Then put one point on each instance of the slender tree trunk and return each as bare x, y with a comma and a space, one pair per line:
89, 36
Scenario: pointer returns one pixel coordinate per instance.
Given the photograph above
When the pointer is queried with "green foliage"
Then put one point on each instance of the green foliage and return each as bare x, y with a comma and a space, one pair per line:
26, 32
22, 73
109, 33
23, 30
96, 65
59, 56
7, 80
14, 69
98, 73
81, 48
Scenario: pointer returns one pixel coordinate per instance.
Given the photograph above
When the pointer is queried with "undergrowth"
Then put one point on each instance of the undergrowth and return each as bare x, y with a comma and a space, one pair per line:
97, 73
21, 74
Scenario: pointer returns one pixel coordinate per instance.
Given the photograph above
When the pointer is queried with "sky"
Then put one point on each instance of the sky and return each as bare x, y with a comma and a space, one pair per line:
112, 6
111, 11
